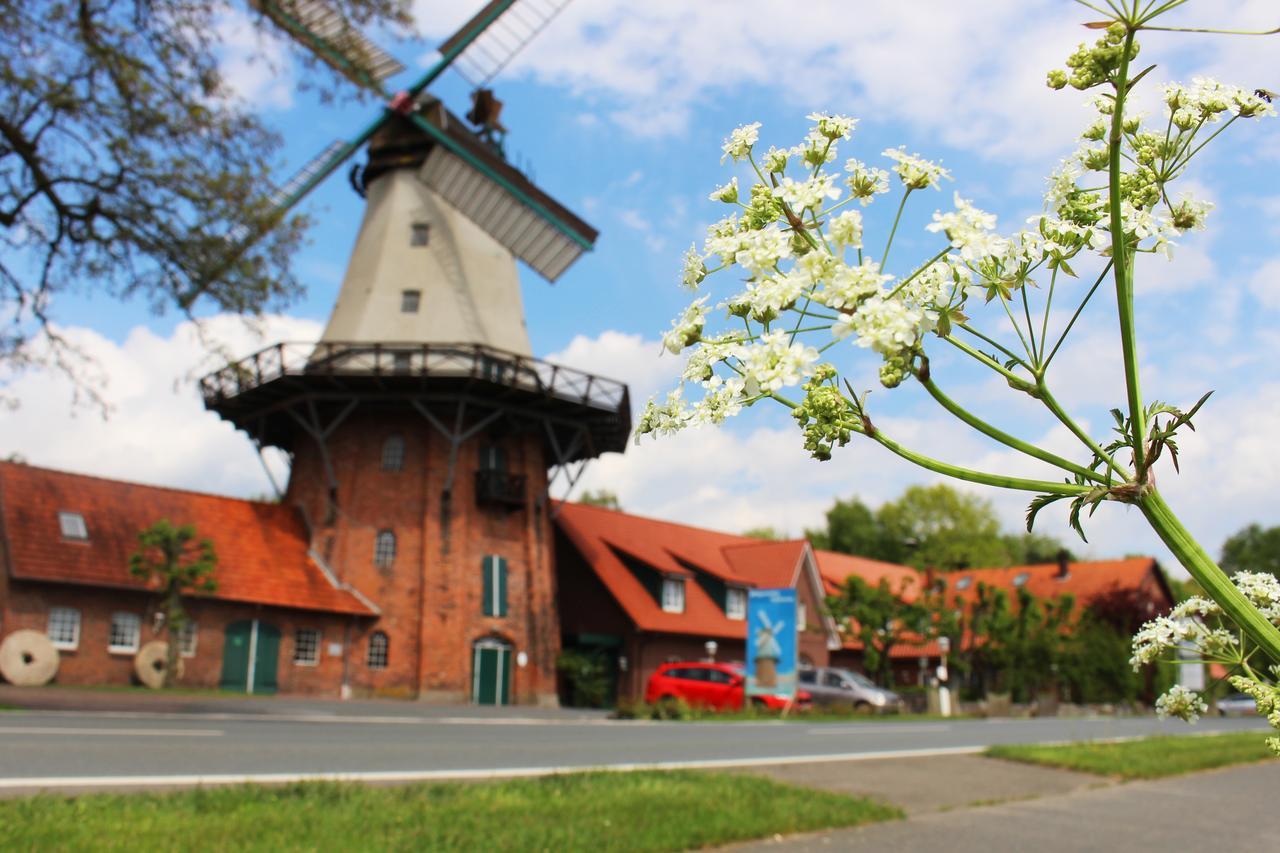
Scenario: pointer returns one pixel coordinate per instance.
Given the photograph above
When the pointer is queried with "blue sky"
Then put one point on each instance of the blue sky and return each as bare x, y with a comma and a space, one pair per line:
621, 111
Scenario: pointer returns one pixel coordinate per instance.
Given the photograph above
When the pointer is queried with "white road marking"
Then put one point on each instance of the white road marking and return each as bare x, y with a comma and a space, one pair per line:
67, 730
45, 782
880, 728
214, 716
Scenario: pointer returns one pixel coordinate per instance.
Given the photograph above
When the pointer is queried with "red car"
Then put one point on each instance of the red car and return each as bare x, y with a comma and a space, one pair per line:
710, 685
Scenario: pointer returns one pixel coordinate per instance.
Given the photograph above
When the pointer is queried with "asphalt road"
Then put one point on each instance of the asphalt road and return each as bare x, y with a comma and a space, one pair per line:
103, 749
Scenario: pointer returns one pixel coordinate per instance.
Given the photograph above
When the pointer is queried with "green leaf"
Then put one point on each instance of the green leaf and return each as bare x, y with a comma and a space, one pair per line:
1038, 503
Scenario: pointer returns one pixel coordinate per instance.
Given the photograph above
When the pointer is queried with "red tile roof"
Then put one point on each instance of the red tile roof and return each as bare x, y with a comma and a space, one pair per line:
836, 567
604, 537
261, 548
1087, 581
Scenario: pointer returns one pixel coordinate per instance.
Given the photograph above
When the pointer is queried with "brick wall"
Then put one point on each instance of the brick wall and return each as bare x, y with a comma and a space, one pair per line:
430, 598
27, 605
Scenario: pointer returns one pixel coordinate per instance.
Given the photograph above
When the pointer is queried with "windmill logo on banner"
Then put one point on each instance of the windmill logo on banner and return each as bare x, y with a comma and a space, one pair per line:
771, 642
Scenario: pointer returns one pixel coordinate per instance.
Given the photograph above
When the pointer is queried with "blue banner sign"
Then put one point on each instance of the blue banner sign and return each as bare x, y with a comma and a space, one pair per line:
771, 642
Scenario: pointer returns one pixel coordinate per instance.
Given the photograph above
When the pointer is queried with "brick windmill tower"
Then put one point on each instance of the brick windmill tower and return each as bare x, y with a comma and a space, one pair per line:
421, 429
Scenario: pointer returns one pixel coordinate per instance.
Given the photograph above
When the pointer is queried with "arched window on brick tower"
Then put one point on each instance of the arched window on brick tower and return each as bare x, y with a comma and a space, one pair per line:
376, 658
393, 453
384, 549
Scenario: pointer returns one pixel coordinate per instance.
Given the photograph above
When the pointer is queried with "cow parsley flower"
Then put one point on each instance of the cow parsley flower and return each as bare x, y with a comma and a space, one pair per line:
773, 361
738, 145
687, 328
760, 251
694, 269
916, 173
807, 195
664, 418
888, 326
727, 193
1181, 703
833, 126
847, 285
775, 160
865, 182
970, 230
845, 229
816, 149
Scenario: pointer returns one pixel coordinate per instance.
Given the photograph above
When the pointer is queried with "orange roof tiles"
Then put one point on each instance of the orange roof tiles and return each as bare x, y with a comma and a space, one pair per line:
1087, 581
261, 548
836, 567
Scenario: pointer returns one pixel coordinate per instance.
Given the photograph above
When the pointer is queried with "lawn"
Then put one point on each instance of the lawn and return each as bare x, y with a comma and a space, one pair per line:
1147, 758
586, 811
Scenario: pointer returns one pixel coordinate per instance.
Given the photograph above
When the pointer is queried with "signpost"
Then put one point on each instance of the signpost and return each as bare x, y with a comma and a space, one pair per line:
771, 642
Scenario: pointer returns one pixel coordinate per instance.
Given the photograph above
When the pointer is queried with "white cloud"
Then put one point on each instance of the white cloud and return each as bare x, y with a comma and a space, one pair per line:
1265, 283
970, 75
254, 61
157, 430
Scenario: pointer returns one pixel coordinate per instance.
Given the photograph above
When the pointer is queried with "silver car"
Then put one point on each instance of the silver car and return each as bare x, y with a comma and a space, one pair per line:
1237, 704
841, 688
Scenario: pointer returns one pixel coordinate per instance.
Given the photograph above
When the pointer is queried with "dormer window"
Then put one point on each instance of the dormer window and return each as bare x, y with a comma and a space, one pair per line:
409, 301
735, 603
673, 595
964, 583
73, 526
419, 234
1021, 578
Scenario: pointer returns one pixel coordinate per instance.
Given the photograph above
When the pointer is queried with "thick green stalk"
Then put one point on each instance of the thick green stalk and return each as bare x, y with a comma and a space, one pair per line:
1004, 438
1123, 266
1211, 578
1000, 481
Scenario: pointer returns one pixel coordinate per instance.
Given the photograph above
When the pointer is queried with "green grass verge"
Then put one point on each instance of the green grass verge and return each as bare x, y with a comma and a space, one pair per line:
588, 811
1148, 758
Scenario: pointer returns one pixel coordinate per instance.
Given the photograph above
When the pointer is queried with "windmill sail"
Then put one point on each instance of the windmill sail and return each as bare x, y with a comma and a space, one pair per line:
332, 40
504, 37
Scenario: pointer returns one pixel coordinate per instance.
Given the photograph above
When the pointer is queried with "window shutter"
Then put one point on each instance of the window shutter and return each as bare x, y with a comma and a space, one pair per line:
501, 571
486, 569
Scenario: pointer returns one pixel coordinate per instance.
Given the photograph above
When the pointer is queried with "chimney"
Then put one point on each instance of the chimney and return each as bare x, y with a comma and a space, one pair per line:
1064, 568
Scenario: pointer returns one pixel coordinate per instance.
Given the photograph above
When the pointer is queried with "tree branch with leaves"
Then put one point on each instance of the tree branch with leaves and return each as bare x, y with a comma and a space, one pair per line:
172, 561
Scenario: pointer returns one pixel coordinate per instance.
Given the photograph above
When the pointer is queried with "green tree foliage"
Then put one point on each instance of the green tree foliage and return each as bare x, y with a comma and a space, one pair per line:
930, 527
587, 672
601, 498
127, 167
1021, 643
881, 618
1252, 549
174, 563
764, 532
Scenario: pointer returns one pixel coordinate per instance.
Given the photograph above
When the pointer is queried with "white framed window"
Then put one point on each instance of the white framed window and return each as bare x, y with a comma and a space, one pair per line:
64, 628
673, 595
126, 631
802, 615
377, 656
187, 636
735, 603
384, 549
72, 526
306, 647
409, 301
393, 453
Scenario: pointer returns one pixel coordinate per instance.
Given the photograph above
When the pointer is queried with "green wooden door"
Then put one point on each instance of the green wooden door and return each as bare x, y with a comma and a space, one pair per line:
235, 656
491, 673
250, 656
266, 659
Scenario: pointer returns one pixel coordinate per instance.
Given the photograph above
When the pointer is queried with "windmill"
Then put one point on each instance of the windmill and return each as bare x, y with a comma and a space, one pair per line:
420, 426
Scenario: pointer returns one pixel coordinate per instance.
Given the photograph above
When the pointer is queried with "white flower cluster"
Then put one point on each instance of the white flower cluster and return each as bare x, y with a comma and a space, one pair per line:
738, 145
1206, 100
970, 230
687, 328
1189, 628
915, 172
1181, 702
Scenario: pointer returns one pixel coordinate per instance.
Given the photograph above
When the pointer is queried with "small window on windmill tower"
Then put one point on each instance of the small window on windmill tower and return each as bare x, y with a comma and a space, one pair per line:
419, 234
409, 301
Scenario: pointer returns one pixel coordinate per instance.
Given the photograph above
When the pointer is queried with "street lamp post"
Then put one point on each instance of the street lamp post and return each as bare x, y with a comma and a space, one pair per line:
944, 693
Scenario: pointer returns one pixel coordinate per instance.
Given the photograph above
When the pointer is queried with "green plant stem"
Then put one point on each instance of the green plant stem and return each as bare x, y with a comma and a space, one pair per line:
1123, 267
1003, 437
1014, 379
1045, 365
994, 343
884, 258
1000, 481
1207, 573
915, 274
1060, 413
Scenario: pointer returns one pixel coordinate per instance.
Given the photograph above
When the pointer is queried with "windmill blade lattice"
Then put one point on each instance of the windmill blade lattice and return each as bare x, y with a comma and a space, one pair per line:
332, 40
489, 53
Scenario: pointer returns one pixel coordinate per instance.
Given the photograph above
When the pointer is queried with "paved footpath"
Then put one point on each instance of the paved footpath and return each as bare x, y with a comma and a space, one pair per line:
1221, 810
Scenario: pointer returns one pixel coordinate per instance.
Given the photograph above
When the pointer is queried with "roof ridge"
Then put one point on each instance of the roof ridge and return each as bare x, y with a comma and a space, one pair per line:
576, 505
77, 475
